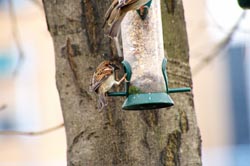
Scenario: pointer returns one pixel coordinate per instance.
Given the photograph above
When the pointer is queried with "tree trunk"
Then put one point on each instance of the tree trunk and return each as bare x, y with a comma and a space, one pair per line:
161, 137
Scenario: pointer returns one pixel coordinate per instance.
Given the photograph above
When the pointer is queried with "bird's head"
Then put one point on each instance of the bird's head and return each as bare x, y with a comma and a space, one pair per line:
114, 66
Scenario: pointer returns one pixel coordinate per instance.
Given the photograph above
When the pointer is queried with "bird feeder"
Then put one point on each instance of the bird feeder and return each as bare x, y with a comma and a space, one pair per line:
244, 4
145, 63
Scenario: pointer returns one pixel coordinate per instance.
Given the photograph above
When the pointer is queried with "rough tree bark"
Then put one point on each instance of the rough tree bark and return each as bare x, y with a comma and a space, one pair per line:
161, 137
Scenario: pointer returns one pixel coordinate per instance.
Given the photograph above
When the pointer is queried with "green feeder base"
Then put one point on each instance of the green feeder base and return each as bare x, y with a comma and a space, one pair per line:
147, 101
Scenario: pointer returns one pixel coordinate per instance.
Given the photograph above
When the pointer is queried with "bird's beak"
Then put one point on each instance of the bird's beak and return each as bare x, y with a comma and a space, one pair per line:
115, 67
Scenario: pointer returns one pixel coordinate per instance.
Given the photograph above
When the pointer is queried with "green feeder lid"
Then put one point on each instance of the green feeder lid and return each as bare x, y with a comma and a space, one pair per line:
147, 101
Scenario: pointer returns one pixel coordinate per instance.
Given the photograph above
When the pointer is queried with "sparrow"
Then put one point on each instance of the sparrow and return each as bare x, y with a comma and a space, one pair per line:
102, 81
117, 12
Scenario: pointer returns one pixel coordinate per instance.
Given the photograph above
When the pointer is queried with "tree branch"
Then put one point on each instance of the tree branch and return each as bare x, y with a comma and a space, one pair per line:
32, 133
220, 27
3, 107
219, 48
16, 37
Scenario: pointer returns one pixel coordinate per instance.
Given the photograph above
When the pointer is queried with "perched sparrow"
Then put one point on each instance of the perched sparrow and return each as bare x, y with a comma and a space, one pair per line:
118, 10
103, 80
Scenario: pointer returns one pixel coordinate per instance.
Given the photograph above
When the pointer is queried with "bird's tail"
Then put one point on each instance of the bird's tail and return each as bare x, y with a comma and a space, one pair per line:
115, 27
118, 47
111, 12
102, 102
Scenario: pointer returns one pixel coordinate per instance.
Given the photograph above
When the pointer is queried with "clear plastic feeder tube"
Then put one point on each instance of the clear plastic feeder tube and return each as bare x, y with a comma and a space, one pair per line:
144, 50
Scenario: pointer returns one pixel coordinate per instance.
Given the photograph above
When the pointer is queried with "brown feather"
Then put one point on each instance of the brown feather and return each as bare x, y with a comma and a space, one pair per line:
102, 65
109, 11
115, 28
126, 3
103, 71
102, 81
117, 11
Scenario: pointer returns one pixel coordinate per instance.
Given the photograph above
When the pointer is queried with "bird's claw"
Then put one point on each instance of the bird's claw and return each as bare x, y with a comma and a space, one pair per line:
124, 77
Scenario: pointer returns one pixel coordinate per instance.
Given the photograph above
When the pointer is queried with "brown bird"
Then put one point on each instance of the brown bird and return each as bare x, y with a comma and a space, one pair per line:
118, 10
103, 80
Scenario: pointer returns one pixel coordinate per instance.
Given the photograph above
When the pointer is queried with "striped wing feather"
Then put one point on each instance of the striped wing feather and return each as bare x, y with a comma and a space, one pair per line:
126, 3
110, 10
100, 76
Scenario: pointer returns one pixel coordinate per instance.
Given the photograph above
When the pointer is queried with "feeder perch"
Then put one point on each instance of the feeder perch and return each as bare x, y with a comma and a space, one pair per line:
244, 4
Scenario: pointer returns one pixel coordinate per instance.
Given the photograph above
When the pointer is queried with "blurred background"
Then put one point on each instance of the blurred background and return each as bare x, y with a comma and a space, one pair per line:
218, 33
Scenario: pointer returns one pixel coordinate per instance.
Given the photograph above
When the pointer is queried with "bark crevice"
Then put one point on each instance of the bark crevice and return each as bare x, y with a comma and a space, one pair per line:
76, 139
170, 155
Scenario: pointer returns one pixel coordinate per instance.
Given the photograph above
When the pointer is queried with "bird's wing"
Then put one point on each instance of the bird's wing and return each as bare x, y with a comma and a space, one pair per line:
99, 77
110, 11
102, 65
125, 3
